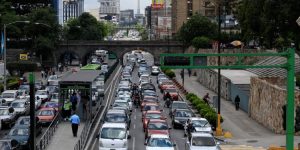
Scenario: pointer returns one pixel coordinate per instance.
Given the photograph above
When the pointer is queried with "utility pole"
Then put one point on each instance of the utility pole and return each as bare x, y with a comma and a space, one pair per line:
32, 113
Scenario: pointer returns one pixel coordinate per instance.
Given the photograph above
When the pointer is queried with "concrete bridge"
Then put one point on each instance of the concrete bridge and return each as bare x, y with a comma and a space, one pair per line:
83, 49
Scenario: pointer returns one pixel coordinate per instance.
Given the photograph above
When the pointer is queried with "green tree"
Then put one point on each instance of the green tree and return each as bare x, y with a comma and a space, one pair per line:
87, 28
197, 26
201, 42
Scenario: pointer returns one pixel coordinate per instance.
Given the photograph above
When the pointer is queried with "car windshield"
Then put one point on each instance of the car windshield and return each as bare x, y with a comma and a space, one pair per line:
203, 141
19, 131
46, 113
18, 104
159, 142
158, 126
51, 104
24, 87
41, 93
153, 116
52, 78
115, 118
183, 114
8, 95
4, 112
113, 133
120, 104
150, 107
200, 123
179, 106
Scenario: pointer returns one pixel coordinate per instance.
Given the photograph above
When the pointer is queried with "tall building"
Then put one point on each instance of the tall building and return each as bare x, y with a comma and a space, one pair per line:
109, 10
182, 10
126, 16
138, 7
72, 9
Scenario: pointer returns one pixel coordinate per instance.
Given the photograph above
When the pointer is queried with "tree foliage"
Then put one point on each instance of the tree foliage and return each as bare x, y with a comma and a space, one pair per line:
201, 42
85, 27
271, 22
197, 26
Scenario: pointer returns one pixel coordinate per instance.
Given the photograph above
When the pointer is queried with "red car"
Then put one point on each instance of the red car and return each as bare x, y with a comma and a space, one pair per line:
47, 115
151, 114
164, 85
173, 92
157, 126
150, 106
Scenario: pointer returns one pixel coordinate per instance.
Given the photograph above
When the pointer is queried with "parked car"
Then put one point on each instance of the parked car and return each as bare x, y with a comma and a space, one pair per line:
114, 136
7, 117
159, 141
202, 141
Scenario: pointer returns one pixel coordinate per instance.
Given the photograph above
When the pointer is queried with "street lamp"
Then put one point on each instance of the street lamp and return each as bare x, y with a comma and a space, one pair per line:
4, 47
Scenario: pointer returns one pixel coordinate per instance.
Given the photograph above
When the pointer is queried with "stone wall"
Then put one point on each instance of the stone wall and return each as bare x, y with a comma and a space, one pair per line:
209, 79
266, 102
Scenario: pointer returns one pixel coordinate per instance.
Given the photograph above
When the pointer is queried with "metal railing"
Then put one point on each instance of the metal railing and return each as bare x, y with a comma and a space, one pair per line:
47, 136
83, 137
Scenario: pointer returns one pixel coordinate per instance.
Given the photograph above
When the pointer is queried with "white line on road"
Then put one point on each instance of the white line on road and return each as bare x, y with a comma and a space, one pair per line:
135, 117
107, 102
133, 144
134, 126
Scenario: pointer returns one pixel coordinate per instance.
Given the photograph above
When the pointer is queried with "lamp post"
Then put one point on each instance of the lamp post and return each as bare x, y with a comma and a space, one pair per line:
4, 50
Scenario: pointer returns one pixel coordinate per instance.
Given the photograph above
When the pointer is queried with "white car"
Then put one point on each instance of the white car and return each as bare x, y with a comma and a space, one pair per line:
201, 141
122, 103
155, 70
159, 142
199, 125
53, 80
125, 99
42, 95
23, 94
145, 78
21, 106
113, 136
9, 96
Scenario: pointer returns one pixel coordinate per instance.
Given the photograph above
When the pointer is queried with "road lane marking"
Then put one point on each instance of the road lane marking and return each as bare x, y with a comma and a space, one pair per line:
133, 143
134, 126
135, 116
107, 102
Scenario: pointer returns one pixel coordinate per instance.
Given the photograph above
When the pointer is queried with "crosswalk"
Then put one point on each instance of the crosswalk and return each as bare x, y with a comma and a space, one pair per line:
240, 147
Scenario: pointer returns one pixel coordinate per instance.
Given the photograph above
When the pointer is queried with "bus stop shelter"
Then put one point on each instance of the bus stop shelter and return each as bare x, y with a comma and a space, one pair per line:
80, 83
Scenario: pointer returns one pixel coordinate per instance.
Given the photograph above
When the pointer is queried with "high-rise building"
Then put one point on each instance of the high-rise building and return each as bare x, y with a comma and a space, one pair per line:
72, 9
182, 10
126, 16
109, 10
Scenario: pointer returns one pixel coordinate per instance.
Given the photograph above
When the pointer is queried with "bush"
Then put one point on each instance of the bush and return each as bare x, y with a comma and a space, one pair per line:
24, 66
212, 118
169, 73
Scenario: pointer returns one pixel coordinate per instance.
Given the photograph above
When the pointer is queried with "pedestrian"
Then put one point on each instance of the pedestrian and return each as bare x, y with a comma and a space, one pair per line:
205, 98
67, 109
75, 122
42, 74
73, 100
190, 72
237, 102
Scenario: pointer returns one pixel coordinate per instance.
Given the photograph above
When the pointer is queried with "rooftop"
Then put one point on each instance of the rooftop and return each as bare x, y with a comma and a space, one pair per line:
82, 76
238, 76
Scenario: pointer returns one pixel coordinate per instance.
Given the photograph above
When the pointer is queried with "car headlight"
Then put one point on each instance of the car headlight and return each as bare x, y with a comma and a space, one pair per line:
125, 144
177, 121
100, 144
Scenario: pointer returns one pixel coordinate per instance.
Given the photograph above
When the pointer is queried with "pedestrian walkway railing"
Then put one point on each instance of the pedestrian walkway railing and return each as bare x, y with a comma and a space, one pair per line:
47, 136
83, 137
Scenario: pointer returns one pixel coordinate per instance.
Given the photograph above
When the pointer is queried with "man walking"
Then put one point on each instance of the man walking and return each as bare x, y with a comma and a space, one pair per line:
73, 100
75, 121
237, 102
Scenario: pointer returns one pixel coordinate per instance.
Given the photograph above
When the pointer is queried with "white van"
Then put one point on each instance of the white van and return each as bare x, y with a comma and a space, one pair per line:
9, 96
113, 136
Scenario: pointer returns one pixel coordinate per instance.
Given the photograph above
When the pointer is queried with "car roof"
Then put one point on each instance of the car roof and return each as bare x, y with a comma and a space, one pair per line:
116, 111
201, 134
153, 111
197, 118
158, 120
4, 107
179, 102
114, 125
165, 136
10, 91
19, 100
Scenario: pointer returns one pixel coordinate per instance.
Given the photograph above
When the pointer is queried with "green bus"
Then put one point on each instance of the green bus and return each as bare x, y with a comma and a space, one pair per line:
91, 67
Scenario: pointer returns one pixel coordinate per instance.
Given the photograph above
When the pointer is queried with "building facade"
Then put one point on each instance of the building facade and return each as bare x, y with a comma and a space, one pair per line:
109, 10
127, 16
72, 9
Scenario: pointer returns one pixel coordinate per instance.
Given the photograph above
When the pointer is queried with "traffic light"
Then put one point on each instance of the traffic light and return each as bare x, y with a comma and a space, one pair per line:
176, 61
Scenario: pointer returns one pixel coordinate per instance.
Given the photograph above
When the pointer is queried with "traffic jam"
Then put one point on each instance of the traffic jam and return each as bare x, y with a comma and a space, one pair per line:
14, 111
149, 113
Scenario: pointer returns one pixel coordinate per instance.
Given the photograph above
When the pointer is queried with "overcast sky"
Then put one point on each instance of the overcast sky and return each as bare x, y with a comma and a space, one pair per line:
125, 4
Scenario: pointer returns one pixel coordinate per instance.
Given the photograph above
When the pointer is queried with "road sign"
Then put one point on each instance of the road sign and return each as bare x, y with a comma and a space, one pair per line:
23, 57
298, 21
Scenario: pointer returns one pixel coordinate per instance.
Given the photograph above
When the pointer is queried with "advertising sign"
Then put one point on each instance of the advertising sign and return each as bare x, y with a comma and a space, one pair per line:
164, 22
157, 4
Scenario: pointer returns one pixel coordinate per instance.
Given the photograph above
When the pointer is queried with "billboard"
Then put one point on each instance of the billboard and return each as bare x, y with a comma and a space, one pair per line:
157, 4
164, 22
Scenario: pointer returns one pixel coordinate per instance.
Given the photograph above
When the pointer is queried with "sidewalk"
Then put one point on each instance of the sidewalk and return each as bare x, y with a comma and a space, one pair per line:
63, 137
244, 129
